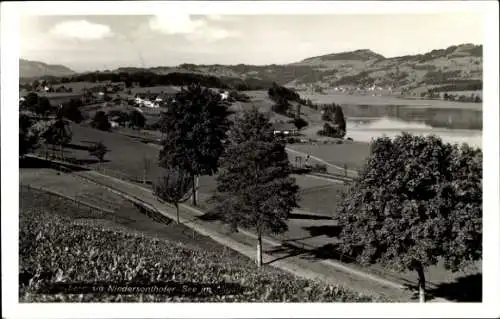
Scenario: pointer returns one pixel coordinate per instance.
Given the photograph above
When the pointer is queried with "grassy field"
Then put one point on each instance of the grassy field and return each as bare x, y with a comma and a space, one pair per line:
69, 251
126, 160
352, 154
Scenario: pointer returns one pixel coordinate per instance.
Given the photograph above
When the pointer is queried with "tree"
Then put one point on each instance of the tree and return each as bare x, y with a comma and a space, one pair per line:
118, 116
37, 104
300, 123
416, 201
136, 119
98, 150
101, 121
58, 133
71, 110
43, 106
339, 119
254, 188
31, 100
146, 165
28, 135
174, 187
194, 126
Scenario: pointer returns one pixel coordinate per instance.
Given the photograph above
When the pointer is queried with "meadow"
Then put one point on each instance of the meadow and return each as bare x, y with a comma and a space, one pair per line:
126, 158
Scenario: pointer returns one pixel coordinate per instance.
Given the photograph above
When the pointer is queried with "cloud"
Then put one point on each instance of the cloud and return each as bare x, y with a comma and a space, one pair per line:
81, 30
193, 29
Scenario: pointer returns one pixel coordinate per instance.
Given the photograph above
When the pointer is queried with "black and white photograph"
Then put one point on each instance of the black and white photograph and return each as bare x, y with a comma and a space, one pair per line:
250, 159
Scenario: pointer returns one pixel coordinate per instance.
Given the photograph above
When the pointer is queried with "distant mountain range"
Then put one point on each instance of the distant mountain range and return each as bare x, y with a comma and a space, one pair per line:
456, 64
32, 69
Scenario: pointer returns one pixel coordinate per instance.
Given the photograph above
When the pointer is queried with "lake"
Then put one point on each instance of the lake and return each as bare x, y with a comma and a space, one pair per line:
365, 129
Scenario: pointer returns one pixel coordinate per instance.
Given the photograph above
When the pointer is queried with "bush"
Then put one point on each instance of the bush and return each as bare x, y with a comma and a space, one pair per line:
71, 110
101, 121
300, 123
292, 140
331, 131
281, 107
136, 119
98, 150
320, 168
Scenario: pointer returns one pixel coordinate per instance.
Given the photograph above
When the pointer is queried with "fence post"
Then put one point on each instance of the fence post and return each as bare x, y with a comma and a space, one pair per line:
345, 170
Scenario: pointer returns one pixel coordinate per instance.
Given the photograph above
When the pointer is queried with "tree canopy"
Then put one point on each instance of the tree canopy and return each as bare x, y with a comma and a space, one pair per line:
28, 134
416, 201
195, 127
101, 121
254, 188
136, 119
174, 187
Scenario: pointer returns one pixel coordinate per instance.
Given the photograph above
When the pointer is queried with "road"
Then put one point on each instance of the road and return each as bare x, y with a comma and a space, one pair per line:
307, 246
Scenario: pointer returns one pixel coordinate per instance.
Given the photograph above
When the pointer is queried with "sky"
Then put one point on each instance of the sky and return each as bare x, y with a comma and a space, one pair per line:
98, 42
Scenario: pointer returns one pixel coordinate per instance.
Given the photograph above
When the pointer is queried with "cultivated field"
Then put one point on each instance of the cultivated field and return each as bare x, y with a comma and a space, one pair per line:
117, 256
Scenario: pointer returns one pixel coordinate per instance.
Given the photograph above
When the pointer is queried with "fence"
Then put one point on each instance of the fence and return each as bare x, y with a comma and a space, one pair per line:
93, 211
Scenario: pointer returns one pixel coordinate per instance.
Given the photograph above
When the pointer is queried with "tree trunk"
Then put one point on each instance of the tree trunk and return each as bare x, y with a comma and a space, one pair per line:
259, 250
177, 208
421, 283
194, 191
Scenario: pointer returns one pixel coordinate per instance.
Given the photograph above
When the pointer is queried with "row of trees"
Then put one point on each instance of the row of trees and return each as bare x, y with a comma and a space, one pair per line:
417, 200
35, 132
146, 78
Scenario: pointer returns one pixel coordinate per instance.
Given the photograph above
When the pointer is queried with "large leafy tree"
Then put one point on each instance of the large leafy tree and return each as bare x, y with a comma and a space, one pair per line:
254, 188
417, 200
174, 187
58, 132
194, 129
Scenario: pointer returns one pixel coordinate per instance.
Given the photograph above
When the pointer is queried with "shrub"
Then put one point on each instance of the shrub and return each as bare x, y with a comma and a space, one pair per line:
98, 150
300, 123
331, 131
101, 121
320, 168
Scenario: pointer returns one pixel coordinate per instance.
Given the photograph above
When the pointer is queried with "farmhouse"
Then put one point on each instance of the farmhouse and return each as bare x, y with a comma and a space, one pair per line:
114, 124
224, 95
284, 129
148, 100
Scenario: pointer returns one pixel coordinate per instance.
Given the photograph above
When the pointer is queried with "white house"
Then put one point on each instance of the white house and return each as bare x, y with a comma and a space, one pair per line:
114, 124
101, 93
224, 95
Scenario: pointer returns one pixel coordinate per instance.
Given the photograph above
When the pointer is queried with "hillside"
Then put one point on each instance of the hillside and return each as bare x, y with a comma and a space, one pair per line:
456, 68
459, 66
30, 69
